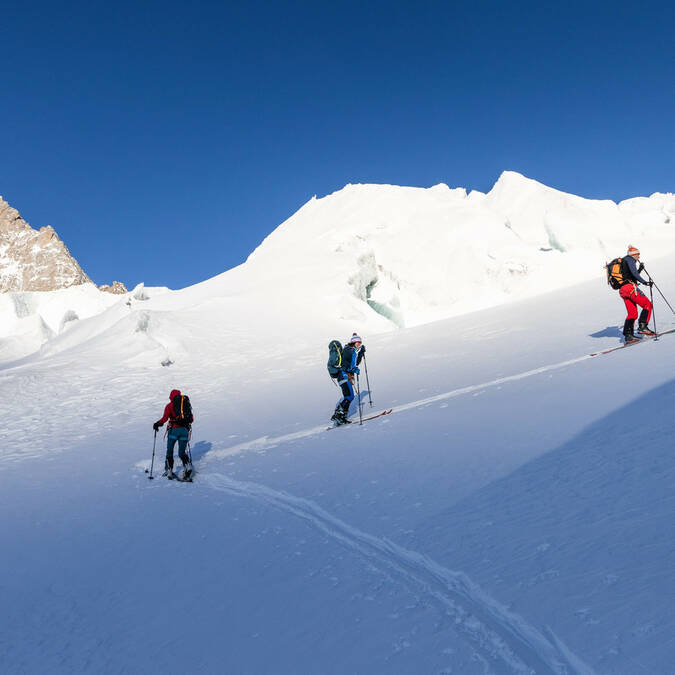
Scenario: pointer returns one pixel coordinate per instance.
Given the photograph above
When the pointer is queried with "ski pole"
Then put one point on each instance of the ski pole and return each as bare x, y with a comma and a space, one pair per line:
358, 393
365, 363
664, 297
152, 464
659, 290
651, 297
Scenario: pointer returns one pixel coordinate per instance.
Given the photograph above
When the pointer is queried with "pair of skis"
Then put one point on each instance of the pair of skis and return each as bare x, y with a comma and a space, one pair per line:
365, 419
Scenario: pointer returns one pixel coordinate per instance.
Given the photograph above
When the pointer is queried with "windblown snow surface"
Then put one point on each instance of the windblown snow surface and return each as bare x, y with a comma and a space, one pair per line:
512, 515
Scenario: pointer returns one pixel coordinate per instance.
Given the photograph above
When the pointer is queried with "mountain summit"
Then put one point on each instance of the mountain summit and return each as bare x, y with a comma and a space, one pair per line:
33, 260
416, 255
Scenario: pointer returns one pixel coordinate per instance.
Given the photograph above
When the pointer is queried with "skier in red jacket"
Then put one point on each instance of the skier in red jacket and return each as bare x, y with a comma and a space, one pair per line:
179, 415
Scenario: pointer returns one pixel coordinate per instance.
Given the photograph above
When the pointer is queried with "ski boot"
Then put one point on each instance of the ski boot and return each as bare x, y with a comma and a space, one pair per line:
628, 335
187, 472
340, 418
644, 329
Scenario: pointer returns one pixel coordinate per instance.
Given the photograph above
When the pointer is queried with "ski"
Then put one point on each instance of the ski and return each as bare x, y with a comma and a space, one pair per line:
647, 338
365, 419
613, 349
373, 417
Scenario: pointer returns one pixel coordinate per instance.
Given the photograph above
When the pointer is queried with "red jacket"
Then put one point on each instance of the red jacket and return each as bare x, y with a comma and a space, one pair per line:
168, 410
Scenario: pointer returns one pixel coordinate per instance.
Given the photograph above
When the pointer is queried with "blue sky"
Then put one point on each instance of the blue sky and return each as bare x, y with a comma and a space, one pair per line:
164, 140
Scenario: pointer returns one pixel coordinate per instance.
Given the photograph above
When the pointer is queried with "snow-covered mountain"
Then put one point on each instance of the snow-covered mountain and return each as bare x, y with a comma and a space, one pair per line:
42, 287
386, 257
416, 255
510, 516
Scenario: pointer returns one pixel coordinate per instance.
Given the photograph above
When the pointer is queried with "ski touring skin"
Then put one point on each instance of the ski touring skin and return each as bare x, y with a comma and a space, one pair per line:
365, 419
648, 338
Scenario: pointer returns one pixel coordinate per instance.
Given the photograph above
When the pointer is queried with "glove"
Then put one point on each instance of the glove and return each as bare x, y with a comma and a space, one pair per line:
156, 426
356, 371
363, 349
650, 283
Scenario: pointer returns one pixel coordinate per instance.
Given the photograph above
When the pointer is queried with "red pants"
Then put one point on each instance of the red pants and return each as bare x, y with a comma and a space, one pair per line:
633, 297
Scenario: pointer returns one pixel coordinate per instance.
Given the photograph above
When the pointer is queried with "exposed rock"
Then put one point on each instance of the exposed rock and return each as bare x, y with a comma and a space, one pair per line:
32, 260
117, 288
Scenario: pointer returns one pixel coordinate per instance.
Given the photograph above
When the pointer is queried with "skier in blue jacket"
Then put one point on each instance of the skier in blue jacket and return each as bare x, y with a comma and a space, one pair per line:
352, 354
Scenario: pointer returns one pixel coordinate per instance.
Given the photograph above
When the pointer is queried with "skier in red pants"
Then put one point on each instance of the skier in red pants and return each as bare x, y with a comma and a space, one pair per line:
633, 297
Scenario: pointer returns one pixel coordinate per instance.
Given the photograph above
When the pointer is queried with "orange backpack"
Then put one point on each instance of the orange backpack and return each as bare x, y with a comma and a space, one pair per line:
614, 276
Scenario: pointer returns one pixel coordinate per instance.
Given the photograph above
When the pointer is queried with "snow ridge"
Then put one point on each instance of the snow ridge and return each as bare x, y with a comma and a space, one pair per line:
499, 633
416, 255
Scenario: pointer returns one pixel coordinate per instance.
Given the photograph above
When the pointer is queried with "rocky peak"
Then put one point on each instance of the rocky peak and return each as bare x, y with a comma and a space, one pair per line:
33, 260
117, 288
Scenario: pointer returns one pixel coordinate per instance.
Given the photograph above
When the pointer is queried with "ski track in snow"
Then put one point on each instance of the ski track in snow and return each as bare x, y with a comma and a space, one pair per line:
265, 442
500, 634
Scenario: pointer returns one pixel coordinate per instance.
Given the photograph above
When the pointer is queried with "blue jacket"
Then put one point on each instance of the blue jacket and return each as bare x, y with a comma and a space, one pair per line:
630, 272
351, 357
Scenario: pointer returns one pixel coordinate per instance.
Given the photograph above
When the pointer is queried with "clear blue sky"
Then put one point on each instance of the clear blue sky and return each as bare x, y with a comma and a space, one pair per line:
164, 140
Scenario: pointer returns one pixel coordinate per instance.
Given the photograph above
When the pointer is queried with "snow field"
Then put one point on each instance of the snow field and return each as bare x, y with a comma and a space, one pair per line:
510, 516
423, 542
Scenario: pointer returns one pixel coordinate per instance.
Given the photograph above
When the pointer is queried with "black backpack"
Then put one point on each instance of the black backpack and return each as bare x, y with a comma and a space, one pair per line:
614, 275
182, 411
334, 364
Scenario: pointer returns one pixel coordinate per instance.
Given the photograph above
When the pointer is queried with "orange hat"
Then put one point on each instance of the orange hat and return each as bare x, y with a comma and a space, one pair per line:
633, 251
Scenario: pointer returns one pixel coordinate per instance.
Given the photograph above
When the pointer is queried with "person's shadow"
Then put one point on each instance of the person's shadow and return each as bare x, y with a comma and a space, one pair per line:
200, 449
610, 331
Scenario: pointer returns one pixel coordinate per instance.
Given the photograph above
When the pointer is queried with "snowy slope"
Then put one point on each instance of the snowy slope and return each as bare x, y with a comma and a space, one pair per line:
384, 257
508, 517
31, 321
